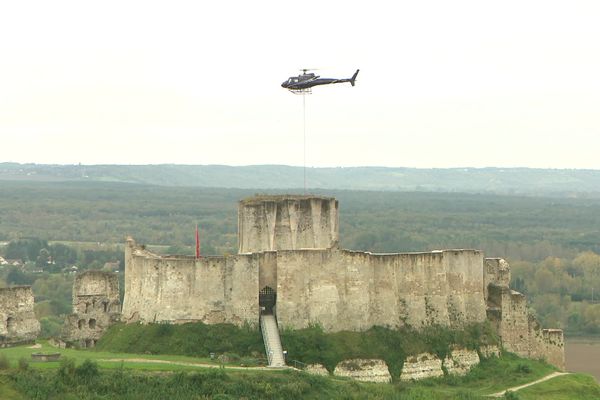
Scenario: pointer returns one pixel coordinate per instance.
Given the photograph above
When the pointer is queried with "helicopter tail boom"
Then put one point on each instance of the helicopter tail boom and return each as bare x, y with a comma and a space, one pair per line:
353, 79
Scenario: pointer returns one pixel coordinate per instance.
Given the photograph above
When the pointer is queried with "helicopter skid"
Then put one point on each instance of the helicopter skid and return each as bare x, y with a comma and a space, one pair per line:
301, 91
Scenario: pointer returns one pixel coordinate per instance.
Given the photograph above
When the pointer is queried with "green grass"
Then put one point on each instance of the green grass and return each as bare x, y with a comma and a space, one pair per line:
8, 391
313, 345
490, 376
78, 379
310, 345
566, 387
13, 354
192, 339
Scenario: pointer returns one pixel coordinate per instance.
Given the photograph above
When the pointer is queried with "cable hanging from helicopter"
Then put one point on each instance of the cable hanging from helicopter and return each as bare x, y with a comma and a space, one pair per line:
303, 84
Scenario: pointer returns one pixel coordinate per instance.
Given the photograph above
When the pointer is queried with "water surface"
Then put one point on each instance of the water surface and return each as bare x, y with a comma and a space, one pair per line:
583, 355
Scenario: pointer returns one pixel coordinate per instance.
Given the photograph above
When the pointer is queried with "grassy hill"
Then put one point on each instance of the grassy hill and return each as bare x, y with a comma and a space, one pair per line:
85, 374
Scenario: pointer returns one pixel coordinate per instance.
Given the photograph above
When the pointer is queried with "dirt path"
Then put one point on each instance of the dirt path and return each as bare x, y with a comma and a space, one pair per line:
515, 388
187, 364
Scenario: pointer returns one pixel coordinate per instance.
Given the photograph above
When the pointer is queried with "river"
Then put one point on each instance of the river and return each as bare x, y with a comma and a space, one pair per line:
583, 355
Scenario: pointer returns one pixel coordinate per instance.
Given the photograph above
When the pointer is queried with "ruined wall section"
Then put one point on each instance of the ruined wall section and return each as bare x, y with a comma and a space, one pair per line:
96, 306
17, 320
268, 223
180, 289
519, 331
548, 344
496, 271
343, 290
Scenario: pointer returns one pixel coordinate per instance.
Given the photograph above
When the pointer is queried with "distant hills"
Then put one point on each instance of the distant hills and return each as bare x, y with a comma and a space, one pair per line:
526, 181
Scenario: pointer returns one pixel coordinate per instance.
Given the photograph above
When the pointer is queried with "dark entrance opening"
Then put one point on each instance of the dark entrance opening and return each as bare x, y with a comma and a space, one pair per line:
267, 297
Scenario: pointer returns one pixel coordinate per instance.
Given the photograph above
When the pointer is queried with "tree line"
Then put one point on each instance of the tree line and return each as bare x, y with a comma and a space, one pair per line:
551, 243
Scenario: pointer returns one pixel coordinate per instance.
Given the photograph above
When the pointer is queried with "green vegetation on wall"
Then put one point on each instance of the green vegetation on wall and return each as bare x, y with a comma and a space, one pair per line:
310, 345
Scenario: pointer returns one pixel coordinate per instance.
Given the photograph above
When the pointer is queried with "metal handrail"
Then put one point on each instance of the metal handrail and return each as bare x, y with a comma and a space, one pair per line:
266, 341
298, 364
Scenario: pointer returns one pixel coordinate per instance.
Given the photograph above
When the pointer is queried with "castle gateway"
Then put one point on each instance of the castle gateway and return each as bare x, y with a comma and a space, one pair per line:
290, 268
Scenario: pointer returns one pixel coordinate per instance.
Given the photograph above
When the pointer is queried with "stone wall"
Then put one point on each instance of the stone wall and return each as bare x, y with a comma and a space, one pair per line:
182, 289
267, 223
517, 327
427, 365
421, 366
17, 321
497, 272
341, 290
290, 244
460, 361
96, 306
345, 290
364, 370
316, 369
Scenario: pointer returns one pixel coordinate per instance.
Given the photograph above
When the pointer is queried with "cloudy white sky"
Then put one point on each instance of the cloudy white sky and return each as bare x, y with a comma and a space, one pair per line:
442, 83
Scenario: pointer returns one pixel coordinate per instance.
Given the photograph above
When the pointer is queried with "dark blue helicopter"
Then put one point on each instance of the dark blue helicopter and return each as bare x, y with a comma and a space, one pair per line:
304, 82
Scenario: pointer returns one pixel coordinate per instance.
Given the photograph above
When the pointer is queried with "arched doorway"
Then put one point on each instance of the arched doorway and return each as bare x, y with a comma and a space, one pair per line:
267, 297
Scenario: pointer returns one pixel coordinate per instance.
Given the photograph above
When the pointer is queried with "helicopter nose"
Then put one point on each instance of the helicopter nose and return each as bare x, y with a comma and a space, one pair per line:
284, 84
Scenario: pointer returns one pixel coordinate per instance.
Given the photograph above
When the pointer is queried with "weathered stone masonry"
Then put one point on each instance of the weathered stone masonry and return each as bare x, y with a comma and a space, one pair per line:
96, 306
17, 320
519, 330
289, 244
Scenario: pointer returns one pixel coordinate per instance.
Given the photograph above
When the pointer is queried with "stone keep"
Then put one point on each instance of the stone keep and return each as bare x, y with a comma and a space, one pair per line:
18, 324
288, 245
268, 223
96, 306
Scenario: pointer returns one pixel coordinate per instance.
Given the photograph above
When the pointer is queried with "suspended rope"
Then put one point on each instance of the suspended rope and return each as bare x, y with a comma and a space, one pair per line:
304, 134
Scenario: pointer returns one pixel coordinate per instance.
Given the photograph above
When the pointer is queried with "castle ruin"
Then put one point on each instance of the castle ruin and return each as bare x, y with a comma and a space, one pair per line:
96, 306
289, 267
18, 324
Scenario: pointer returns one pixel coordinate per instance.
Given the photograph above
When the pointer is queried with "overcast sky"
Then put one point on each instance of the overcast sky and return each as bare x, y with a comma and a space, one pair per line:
442, 83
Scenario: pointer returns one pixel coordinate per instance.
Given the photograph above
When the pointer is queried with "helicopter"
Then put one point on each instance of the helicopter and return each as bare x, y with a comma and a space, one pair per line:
303, 83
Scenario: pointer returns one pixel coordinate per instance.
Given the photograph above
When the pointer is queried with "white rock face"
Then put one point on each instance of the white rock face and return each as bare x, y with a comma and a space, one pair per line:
421, 366
489, 351
460, 361
316, 369
364, 370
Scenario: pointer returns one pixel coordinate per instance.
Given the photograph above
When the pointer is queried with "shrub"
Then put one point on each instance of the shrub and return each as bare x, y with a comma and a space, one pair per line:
66, 370
523, 369
87, 370
23, 364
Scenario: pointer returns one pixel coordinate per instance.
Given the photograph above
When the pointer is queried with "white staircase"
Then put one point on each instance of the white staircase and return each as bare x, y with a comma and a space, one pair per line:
270, 332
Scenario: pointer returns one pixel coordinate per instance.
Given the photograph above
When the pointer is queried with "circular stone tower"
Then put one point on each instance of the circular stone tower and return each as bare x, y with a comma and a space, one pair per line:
288, 222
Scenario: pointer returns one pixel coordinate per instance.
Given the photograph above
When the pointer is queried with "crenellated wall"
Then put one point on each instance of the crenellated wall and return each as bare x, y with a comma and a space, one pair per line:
344, 290
183, 289
341, 290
